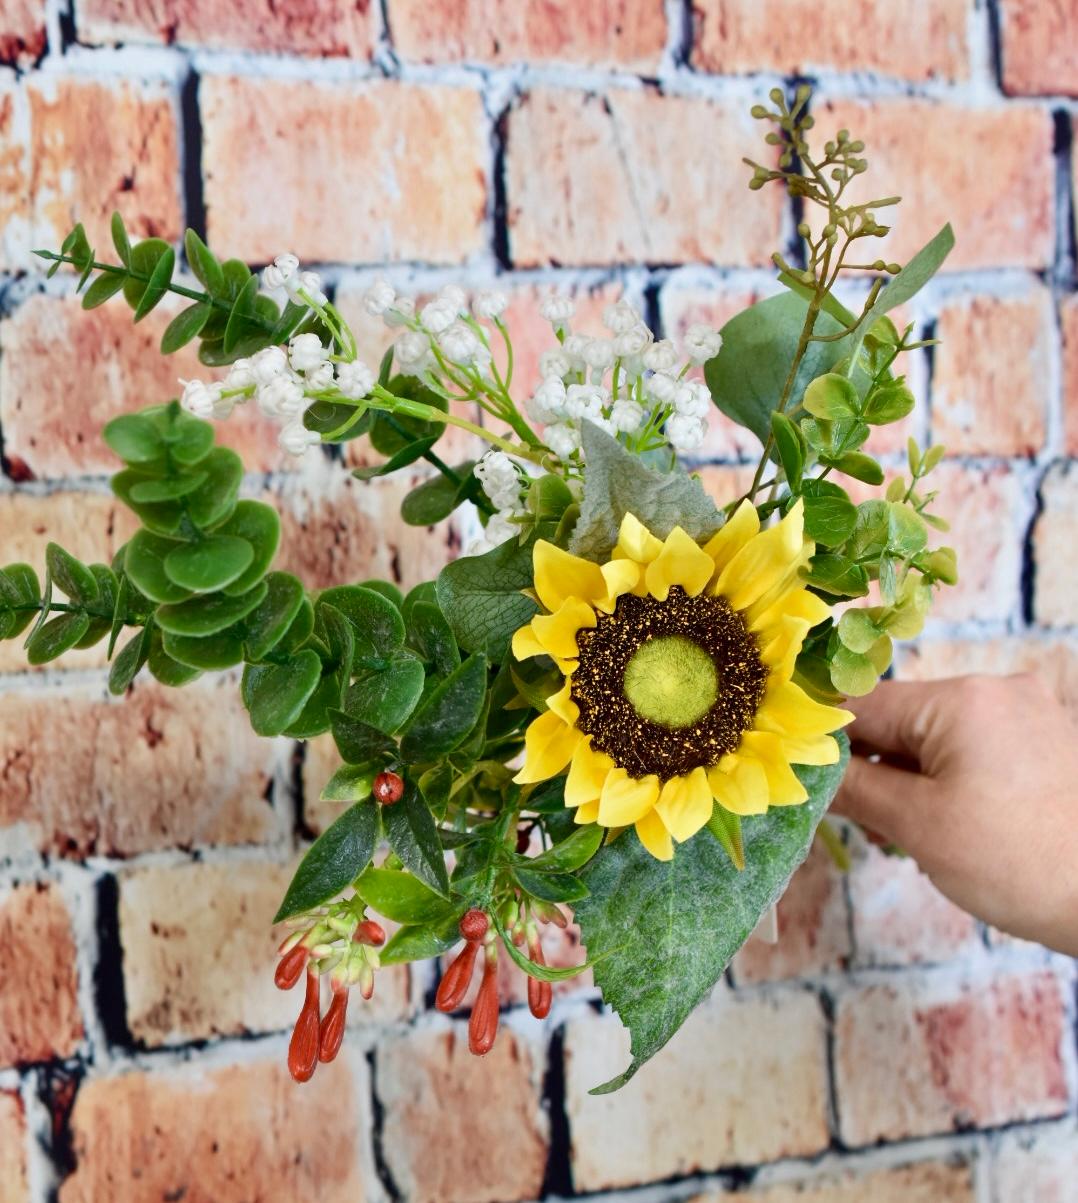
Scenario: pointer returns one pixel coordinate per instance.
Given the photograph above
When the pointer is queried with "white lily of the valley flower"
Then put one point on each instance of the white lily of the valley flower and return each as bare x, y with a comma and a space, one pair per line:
438, 315
626, 416
662, 387
281, 272
557, 309
685, 433
305, 352
692, 399
281, 398
311, 283
661, 356
378, 298
562, 439
632, 341
355, 379
620, 317
455, 297
599, 354
459, 343
548, 403
240, 374
400, 313
585, 401
268, 364
490, 304
295, 438
319, 378
198, 397
701, 342
554, 363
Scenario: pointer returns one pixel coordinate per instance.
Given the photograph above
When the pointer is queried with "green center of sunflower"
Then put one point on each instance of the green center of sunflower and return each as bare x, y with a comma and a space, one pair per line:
666, 686
672, 681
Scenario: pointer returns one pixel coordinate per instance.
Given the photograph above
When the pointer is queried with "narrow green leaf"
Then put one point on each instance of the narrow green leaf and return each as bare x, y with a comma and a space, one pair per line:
430, 634
572, 853
338, 855
357, 742
268, 622
413, 836
791, 453
75, 580
350, 783
157, 285
423, 941
186, 325
57, 636
127, 665
107, 285
399, 896
120, 240
205, 265
448, 714
551, 887
239, 320
726, 828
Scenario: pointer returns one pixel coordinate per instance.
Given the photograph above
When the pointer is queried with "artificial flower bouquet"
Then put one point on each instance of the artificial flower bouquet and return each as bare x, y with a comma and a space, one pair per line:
626, 699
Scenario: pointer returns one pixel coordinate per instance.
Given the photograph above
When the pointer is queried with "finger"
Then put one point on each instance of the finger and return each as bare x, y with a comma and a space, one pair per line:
895, 717
882, 798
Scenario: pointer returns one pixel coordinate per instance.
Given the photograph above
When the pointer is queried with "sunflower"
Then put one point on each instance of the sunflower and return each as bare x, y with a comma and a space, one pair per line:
678, 662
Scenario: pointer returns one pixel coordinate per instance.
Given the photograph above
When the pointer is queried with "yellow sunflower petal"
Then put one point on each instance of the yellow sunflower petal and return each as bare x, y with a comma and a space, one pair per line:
654, 836
548, 745
636, 542
821, 749
587, 812
685, 804
620, 576
783, 787
794, 601
587, 772
681, 562
789, 711
780, 652
525, 644
562, 704
557, 631
764, 561
560, 576
626, 799
740, 784
740, 527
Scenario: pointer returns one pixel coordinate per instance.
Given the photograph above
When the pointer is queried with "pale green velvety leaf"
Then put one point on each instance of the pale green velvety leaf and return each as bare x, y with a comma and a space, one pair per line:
667, 930
617, 483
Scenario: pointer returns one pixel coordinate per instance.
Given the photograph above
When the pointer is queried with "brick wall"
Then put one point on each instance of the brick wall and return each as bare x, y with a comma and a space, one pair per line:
889, 1047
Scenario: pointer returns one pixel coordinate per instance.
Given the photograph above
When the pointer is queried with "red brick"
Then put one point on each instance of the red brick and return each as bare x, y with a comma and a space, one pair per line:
14, 1185
1056, 660
987, 509
1039, 1166
628, 34
200, 952
927, 1182
935, 155
621, 178
927, 41
744, 1081
157, 769
1036, 43
900, 918
123, 137
482, 1115
339, 28
376, 171
1068, 316
337, 530
1055, 584
814, 931
989, 387
39, 1010
99, 365
221, 1136
15, 232
22, 31
931, 1055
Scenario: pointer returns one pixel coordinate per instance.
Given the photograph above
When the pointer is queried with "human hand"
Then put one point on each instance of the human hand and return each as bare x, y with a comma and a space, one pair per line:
977, 779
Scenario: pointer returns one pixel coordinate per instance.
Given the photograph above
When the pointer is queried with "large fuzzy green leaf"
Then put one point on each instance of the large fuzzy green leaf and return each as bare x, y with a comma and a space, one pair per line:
617, 483
667, 930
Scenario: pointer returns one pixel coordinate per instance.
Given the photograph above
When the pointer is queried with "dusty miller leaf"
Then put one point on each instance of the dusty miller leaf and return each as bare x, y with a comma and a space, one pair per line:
670, 928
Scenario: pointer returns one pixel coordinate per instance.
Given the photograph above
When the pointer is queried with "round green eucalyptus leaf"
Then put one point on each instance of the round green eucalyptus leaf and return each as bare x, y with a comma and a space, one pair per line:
145, 256
301, 627
161, 517
168, 488
215, 498
134, 438
268, 623
385, 699
259, 526
210, 564
144, 564
166, 670
57, 636
211, 654
210, 613
388, 590
378, 624
275, 694
190, 440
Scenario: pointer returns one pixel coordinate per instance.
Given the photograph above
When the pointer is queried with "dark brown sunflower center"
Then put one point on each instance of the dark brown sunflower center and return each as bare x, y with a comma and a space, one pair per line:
699, 637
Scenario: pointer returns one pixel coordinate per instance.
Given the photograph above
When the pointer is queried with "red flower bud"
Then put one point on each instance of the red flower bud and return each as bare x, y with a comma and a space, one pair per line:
370, 932
388, 788
524, 839
289, 967
483, 1025
457, 978
331, 1031
474, 924
540, 994
303, 1047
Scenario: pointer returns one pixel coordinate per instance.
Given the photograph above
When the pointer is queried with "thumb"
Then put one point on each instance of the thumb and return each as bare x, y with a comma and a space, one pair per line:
897, 717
